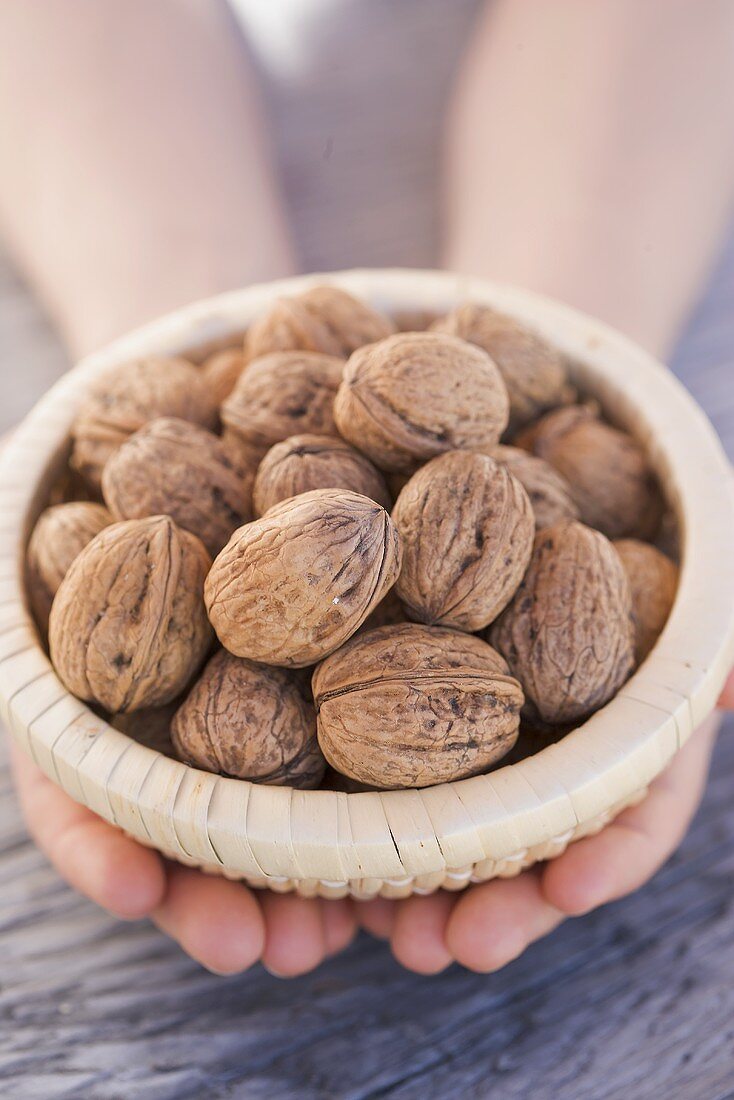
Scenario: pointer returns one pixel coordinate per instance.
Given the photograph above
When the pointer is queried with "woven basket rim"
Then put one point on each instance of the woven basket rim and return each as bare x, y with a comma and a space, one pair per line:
280, 833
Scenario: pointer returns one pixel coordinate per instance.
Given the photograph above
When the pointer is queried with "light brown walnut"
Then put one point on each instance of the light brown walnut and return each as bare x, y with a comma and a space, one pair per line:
306, 462
653, 580
533, 370
150, 727
221, 372
58, 538
607, 471
244, 720
414, 396
568, 634
549, 492
324, 319
293, 585
466, 527
412, 705
173, 468
127, 397
128, 628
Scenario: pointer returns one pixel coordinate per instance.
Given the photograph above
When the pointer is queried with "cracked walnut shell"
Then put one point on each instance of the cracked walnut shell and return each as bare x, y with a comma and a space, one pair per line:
128, 627
568, 634
466, 527
653, 580
292, 586
414, 396
245, 720
412, 706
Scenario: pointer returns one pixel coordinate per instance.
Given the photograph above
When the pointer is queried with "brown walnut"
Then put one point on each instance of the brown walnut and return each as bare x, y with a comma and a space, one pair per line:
59, 536
533, 370
412, 705
653, 580
128, 627
150, 727
466, 527
414, 396
280, 395
306, 462
251, 722
606, 469
129, 396
567, 634
323, 319
173, 468
292, 586
549, 492
221, 372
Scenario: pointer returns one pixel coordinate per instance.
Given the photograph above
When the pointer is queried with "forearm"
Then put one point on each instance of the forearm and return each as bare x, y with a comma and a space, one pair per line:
135, 170
591, 157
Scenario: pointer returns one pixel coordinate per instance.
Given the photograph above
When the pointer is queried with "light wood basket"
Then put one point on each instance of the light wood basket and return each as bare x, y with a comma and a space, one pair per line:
398, 842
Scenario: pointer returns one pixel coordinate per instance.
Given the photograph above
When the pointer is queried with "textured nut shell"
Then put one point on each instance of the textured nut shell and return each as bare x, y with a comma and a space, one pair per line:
128, 397
415, 320
411, 706
292, 586
128, 627
416, 395
533, 370
568, 633
606, 469
59, 536
174, 468
466, 527
284, 394
653, 581
150, 727
549, 492
221, 372
306, 462
323, 319
251, 722
386, 613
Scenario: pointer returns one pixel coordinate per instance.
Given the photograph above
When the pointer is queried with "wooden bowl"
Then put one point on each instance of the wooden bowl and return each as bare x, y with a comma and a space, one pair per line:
397, 842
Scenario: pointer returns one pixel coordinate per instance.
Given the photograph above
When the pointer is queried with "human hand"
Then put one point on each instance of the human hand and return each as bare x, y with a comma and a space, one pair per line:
489, 925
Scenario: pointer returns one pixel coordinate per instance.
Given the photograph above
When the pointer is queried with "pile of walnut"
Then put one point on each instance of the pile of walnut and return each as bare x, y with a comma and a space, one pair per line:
393, 552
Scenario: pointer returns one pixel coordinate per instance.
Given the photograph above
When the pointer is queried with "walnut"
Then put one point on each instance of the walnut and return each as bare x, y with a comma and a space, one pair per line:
653, 580
280, 395
416, 395
170, 467
127, 397
466, 527
534, 372
387, 612
221, 372
567, 634
323, 319
59, 536
415, 320
294, 585
128, 627
150, 727
306, 462
549, 493
607, 471
244, 720
412, 705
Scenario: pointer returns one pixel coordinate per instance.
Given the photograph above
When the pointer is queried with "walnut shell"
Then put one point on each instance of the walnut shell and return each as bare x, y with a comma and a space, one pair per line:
323, 319
251, 722
567, 634
606, 469
283, 394
294, 585
414, 396
306, 462
466, 527
129, 396
59, 536
173, 468
150, 727
549, 492
653, 580
412, 705
533, 370
415, 320
221, 372
386, 613
128, 627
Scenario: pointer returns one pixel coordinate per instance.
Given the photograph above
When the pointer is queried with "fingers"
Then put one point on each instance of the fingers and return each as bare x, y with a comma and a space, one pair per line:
95, 858
376, 916
726, 700
418, 937
295, 940
340, 925
632, 848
